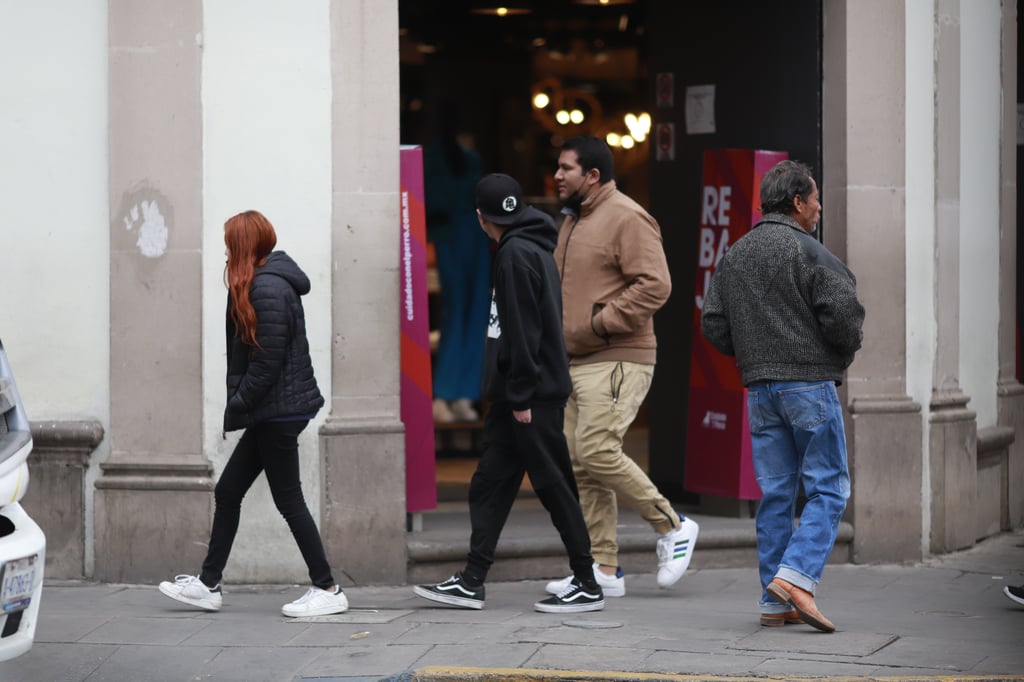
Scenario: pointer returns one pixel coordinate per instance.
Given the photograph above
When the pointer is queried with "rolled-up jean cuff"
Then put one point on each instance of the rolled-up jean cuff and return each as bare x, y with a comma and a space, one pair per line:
772, 606
797, 578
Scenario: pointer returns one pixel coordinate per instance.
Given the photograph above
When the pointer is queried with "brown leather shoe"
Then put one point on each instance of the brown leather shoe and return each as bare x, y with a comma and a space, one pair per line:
802, 601
777, 620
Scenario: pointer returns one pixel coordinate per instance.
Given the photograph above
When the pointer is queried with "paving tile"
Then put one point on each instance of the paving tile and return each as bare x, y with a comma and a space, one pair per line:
66, 662
257, 664
694, 640
569, 657
356, 678
253, 632
152, 664
700, 663
561, 634
144, 631
917, 673
1009, 661
504, 656
940, 654
67, 627
444, 614
351, 634
812, 668
365, 661
467, 634
806, 640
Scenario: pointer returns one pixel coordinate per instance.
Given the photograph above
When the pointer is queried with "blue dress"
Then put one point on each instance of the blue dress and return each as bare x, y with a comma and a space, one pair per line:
464, 270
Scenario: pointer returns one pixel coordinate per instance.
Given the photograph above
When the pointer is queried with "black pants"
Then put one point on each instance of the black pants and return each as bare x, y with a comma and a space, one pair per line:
539, 450
271, 447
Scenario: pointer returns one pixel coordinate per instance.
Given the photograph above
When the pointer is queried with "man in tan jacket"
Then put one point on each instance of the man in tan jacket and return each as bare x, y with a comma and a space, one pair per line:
614, 278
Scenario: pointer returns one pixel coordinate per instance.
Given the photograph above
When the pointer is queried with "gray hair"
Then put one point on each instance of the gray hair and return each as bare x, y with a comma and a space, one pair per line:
783, 183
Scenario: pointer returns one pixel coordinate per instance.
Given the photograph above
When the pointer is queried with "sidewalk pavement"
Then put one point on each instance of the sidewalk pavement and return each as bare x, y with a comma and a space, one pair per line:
945, 618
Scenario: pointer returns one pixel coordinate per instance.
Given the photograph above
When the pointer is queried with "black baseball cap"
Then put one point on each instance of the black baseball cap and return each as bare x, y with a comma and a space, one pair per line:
499, 198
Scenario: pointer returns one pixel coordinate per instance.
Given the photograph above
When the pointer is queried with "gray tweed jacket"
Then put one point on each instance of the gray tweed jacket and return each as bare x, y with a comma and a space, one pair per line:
784, 306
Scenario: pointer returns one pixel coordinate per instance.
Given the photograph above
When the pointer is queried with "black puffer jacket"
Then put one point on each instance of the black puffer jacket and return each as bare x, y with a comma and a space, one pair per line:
276, 378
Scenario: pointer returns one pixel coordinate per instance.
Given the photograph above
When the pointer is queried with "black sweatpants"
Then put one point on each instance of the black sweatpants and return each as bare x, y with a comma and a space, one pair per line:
539, 450
273, 448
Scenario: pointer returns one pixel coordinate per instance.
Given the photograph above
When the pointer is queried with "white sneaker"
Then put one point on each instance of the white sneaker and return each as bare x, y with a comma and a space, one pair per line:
462, 410
189, 589
675, 549
317, 602
611, 585
442, 413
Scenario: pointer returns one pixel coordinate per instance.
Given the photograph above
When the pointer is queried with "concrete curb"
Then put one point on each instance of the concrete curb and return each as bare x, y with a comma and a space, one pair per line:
463, 674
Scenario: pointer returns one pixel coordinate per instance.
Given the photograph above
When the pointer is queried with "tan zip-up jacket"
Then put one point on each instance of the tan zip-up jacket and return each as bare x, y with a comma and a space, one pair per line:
614, 278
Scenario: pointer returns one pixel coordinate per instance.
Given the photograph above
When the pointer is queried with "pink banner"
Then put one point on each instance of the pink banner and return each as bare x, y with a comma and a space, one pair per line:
416, 392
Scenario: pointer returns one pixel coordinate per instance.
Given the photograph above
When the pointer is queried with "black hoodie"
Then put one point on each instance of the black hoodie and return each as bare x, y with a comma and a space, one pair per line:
524, 359
275, 378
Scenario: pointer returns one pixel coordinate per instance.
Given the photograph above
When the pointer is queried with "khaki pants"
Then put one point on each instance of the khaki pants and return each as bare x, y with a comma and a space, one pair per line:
604, 402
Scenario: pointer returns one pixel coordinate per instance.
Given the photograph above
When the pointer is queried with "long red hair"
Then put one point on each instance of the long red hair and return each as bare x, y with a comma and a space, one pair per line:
250, 238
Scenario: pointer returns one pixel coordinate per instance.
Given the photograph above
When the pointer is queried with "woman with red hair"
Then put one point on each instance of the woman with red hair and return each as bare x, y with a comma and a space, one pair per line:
272, 394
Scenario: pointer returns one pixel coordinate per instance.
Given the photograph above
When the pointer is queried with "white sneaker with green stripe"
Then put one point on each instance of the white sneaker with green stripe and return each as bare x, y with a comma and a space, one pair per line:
675, 549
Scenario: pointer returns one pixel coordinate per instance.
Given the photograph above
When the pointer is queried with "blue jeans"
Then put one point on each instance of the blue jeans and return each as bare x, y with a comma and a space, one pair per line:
797, 434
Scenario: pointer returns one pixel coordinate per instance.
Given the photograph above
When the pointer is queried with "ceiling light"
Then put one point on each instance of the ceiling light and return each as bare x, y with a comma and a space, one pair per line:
638, 126
576, 116
562, 117
501, 11
541, 100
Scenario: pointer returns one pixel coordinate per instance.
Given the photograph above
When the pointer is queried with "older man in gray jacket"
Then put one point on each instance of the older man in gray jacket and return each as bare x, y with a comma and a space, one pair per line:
787, 309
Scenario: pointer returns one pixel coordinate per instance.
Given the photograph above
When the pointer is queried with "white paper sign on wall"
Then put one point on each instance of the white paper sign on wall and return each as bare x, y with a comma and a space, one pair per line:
700, 109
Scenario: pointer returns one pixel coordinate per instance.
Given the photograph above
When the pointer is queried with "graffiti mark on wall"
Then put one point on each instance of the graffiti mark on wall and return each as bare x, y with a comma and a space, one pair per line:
152, 229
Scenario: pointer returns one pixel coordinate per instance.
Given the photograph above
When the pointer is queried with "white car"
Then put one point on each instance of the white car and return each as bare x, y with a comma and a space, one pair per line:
22, 543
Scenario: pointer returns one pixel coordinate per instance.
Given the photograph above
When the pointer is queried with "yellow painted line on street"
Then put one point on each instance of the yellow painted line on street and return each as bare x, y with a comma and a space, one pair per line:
464, 674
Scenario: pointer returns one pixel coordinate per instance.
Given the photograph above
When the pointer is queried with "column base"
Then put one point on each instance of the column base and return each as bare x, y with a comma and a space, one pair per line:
362, 504
152, 520
953, 466
994, 445
1010, 406
57, 466
884, 443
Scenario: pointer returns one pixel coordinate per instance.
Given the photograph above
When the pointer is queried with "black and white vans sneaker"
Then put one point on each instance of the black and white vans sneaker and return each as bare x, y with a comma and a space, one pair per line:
453, 591
1015, 592
575, 598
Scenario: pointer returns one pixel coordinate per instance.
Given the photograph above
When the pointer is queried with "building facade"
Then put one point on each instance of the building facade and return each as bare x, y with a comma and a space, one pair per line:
132, 130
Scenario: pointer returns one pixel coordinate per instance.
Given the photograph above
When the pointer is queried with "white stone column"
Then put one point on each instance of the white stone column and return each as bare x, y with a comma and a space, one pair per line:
362, 443
952, 437
864, 204
153, 501
1010, 392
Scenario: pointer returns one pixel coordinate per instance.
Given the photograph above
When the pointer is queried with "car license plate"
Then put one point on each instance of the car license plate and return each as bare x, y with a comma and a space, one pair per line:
16, 584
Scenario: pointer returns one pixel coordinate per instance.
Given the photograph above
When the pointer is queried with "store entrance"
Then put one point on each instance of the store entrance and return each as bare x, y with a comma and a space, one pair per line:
509, 86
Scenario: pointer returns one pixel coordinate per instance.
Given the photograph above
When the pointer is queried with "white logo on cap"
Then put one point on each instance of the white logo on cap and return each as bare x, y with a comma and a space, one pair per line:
509, 204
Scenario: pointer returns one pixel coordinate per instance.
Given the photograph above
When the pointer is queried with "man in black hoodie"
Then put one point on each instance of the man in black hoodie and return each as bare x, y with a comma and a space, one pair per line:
526, 380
